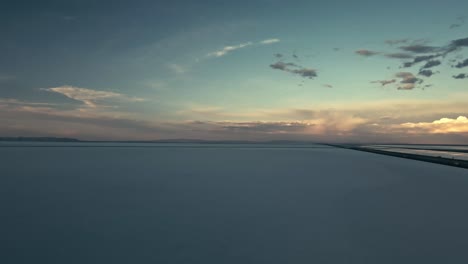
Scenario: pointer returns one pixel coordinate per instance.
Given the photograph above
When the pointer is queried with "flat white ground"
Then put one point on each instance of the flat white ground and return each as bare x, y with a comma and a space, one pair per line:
218, 204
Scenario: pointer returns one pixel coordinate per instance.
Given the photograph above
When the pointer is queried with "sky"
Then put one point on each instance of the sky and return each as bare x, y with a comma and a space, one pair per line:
325, 71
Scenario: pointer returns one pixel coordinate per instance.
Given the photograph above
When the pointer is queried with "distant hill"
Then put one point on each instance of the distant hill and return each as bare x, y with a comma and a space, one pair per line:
39, 139
189, 141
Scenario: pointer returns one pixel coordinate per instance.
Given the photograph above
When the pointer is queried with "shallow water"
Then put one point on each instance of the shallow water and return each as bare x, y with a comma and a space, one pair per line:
228, 204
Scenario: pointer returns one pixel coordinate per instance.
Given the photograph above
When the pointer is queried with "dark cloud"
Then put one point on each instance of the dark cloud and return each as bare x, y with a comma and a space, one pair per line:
419, 59
462, 64
305, 72
385, 82
431, 63
417, 48
442, 51
408, 80
295, 69
366, 53
456, 44
279, 55
283, 66
399, 56
460, 76
427, 73
407, 77
328, 85
454, 26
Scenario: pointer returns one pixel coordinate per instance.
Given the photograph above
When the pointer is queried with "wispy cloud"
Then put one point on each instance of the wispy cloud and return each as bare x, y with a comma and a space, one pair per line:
177, 68
228, 49
460, 22
10, 101
418, 48
270, 41
90, 97
366, 53
384, 82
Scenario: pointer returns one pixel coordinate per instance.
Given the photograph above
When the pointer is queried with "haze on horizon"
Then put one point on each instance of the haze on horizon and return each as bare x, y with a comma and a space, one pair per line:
335, 71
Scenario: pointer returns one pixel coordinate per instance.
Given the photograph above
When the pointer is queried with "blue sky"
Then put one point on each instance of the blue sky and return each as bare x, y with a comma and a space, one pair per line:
265, 69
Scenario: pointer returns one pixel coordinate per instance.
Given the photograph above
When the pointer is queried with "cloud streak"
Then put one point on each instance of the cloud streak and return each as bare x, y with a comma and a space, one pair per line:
366, 53
270, 41
228, 49
417, 48
384, 82
294, 69
90, 97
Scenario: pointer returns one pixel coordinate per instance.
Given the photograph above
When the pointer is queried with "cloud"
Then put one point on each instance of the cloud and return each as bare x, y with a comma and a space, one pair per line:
392, 42
283, 66
90, 97
431, 63
462, 64
328, 85
460, 76
408, 80
456, 44
295, 69
279, 55
305, 72
364, 121
441, 126
366, 53
10, 101
384, 82
419, 59
270, 41
459, 23
228, 49
281, 127
177, 68
399, 56
427, 73
417, 48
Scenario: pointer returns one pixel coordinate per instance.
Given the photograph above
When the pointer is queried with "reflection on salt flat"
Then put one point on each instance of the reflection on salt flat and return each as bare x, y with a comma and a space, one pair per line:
427, 152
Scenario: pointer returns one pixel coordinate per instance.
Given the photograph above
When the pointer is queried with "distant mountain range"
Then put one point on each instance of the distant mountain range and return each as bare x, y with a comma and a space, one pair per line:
195, 141
39, 139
